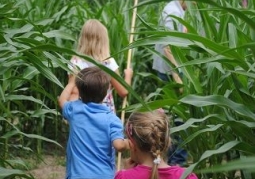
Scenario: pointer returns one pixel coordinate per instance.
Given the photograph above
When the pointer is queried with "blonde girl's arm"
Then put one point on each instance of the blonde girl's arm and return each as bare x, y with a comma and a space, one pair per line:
121, 90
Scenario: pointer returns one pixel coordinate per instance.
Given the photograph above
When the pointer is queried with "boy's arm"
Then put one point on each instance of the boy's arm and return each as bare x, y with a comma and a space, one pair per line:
65, 95
171, 58
169, 55
121, 144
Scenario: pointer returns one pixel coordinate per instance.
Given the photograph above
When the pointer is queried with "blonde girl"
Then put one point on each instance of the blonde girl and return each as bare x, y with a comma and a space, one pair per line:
148, 134
94, 42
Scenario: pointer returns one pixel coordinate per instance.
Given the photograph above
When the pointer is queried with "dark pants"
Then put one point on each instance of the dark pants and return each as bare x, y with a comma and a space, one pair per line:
164, 76
176, 156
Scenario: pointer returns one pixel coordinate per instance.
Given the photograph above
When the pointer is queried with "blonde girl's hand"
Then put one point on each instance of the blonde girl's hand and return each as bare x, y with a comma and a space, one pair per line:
128, 72
128, 75
129, 163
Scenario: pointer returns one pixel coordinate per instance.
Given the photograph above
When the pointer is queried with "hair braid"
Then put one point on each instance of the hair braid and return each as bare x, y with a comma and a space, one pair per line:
150, 131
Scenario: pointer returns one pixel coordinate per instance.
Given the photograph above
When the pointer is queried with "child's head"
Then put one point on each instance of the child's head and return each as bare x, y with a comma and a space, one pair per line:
92, 84
94, 40
149, 132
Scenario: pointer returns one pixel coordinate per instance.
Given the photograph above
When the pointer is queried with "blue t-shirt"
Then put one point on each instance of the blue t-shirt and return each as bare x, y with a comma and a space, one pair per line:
93, 128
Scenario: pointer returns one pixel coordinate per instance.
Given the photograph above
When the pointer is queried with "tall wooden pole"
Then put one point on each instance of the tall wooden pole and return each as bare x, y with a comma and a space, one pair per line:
131, 38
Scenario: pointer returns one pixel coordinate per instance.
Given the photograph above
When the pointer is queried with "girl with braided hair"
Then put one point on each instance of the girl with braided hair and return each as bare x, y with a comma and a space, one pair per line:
148, 134
94, 42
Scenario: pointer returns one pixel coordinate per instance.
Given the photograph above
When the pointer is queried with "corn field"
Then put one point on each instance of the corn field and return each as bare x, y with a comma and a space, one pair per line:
216, 56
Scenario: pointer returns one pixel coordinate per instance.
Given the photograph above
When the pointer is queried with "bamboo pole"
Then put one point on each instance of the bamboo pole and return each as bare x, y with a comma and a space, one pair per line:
124, 103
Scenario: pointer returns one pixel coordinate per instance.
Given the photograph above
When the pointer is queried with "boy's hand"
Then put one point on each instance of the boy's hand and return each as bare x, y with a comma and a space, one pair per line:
66, 93
71, 79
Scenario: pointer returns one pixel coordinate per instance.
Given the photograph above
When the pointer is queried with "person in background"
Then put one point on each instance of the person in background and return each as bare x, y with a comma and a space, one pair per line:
177, 156
94, 130
165, 72
148, 134
94, 42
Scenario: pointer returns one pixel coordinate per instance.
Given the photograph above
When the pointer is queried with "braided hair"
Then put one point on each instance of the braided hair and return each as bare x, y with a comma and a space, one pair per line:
150, 130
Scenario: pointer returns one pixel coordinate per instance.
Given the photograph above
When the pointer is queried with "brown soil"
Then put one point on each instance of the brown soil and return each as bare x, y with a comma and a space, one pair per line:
50, 168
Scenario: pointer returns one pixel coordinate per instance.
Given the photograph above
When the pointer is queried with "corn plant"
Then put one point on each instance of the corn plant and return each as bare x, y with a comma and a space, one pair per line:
36, 45
216, 56
24, 99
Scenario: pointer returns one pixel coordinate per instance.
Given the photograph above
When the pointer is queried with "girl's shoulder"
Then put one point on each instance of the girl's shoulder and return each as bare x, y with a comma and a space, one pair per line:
75, 59
79, 62
108, 61
136, 172
176, 172
111, 63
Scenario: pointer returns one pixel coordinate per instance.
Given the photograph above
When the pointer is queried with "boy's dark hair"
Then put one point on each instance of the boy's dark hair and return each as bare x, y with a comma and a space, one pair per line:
92, 84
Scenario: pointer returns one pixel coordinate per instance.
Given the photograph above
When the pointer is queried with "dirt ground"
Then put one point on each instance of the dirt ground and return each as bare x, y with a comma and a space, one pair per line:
51, 168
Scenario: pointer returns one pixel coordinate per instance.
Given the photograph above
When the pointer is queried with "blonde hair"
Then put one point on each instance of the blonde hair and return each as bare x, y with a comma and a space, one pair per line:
150, 131
94, 40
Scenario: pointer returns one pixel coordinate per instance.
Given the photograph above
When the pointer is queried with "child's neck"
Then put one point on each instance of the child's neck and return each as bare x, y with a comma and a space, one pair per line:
146, 160
162, 164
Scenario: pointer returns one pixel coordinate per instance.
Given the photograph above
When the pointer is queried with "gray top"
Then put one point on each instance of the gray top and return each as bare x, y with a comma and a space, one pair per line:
172, 8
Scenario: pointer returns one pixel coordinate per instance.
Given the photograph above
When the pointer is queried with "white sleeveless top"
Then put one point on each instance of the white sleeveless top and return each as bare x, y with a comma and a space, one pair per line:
110, 63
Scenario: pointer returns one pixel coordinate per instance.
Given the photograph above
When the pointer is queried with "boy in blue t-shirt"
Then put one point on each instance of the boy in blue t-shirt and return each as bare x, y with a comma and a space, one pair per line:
94, 130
